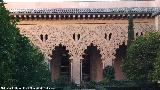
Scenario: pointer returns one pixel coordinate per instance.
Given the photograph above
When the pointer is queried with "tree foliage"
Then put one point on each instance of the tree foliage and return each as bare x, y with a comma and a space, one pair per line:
155, 74
7, 45
140, 57
21, 63
30, 69
109, 73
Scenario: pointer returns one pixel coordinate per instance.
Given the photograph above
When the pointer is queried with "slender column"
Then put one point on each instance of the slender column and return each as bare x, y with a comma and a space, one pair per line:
76, 70
80, 70
48, 61
71, 69
157, 22
49, 65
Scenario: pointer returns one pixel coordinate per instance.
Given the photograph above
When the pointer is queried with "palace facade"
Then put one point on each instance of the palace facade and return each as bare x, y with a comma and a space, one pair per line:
79, 39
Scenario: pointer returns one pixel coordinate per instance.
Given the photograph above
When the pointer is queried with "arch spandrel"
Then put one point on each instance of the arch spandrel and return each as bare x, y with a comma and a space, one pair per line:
96, 37
56, 36
60, 39
86, 41
30, 32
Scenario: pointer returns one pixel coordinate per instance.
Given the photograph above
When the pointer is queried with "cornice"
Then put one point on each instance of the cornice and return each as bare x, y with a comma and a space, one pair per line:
85, 13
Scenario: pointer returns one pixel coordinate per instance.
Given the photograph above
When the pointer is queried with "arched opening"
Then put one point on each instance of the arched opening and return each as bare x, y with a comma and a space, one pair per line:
120, 52
41, 37
46, 37
142, 33
78, 36
137, 34
92, 67
105, 36
110, 36
60, 63
74, 36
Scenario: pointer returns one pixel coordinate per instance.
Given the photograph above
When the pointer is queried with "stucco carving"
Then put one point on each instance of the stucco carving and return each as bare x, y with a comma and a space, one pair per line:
76, 37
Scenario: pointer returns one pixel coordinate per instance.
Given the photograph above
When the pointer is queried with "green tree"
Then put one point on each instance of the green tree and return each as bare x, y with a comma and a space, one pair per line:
8, 45
140, 57
21, 63
108, 74
30, 69
130, 30
155, 74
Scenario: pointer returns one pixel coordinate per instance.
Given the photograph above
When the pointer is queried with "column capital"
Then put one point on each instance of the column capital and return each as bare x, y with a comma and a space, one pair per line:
76, 57
107, 62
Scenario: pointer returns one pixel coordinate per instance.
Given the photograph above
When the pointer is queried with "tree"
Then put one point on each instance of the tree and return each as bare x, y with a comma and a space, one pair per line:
130, 30
109, 73
155, 74
30, 69
21, 63
140, 57
7, 45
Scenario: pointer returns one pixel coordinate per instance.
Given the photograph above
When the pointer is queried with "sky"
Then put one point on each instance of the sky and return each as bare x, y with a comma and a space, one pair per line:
51, 0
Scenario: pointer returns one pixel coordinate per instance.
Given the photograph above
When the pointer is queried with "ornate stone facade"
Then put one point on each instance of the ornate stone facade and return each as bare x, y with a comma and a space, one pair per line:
76, 35
77, 25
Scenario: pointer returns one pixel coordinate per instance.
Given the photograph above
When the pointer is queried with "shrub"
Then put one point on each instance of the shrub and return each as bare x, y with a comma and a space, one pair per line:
140, 57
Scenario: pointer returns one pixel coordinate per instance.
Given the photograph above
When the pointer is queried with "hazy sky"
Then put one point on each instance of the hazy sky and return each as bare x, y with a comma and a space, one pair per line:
51, 0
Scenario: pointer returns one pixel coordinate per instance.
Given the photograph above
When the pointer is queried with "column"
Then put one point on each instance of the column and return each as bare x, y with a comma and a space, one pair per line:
157, 22
71, 62
76, 70
48, 61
